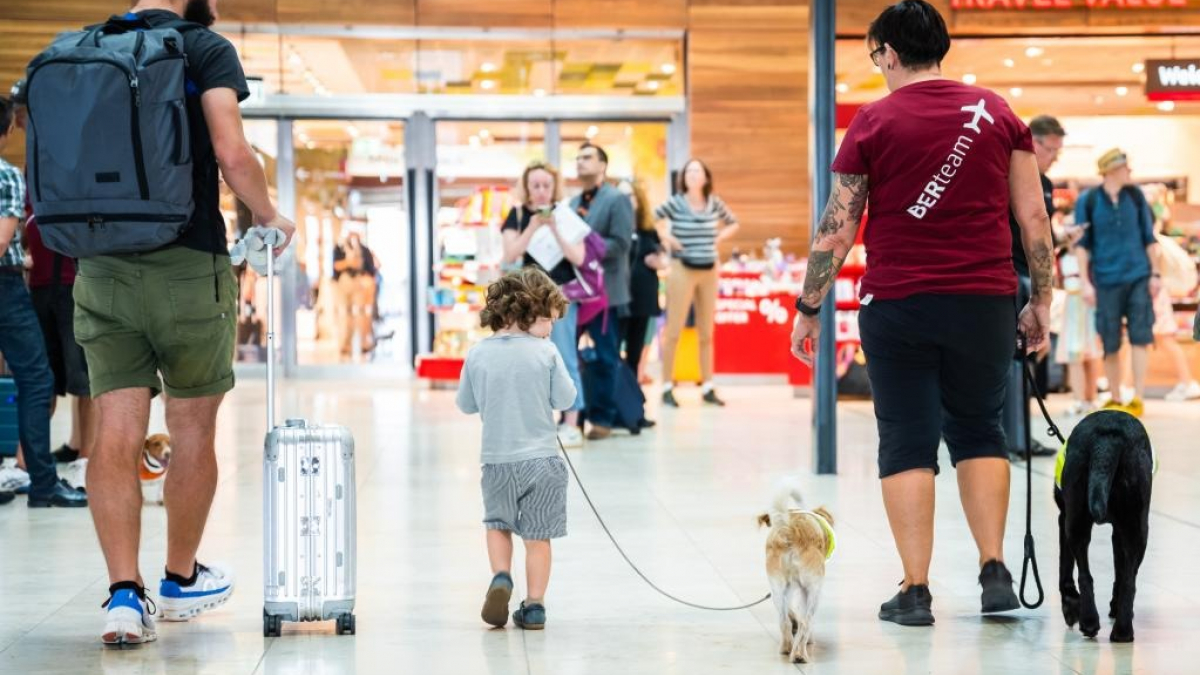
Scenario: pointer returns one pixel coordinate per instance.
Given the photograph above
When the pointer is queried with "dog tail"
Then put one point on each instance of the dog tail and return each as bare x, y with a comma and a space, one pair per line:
1101, 472
786, 497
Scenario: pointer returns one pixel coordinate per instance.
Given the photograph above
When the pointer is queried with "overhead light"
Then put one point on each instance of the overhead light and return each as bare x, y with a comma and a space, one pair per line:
668, 68
1009, 63
592, 131
969, 78
1016, 92
1122, 91
310, 145
1034, 52
352, 130
539, 92
488, 67
484, 133
1139, 68
652, 85
1166, 106
487, 84
843, 88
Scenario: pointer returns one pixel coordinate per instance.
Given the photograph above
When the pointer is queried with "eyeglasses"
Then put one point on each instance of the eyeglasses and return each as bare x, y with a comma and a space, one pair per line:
1053, 149
876, 53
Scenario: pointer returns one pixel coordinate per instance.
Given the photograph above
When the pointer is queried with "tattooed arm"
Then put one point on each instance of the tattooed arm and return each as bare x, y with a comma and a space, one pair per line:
835, 236
1029, 207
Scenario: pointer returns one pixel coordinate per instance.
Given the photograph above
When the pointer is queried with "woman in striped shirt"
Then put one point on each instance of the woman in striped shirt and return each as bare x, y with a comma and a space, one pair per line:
691, 224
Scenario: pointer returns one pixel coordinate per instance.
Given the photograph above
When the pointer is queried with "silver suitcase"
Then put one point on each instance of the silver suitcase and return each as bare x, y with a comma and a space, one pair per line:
309, 514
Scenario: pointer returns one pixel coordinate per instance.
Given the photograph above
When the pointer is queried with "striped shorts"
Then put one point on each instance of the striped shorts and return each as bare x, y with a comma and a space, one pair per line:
527, 497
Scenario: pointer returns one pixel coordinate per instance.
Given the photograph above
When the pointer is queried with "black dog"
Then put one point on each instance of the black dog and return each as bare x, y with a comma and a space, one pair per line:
1106, 478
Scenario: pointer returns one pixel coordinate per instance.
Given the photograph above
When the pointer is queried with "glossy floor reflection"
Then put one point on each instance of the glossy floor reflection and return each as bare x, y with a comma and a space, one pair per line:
682, 499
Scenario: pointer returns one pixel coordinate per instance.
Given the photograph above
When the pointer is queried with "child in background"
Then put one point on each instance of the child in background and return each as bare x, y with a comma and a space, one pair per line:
515, 380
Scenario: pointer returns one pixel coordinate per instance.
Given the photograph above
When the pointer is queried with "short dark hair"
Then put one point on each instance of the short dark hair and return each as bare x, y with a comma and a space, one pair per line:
1045, 125
6, 116
915, 30
599, 150
521, 298
681, 186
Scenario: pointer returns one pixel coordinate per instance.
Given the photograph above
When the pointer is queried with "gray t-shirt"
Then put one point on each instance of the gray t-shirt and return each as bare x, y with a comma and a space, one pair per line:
516, 382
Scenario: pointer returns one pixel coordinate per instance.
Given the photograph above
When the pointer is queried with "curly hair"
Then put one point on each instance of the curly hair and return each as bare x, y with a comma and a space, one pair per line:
521, 298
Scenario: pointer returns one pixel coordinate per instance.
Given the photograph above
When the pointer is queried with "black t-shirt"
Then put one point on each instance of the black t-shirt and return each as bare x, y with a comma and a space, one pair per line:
1020, 262
212, 64
563, 272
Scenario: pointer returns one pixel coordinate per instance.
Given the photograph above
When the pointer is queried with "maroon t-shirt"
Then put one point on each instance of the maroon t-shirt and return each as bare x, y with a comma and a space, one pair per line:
936, 155
42, 273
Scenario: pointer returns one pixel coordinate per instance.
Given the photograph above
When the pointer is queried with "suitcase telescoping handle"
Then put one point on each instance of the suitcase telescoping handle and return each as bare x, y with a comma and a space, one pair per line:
255, 248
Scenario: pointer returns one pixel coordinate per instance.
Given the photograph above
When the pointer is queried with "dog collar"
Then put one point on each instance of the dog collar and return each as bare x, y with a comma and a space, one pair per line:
830, 537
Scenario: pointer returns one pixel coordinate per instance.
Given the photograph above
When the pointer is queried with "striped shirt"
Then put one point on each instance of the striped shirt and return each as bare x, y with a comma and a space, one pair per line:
696, 231
12, 205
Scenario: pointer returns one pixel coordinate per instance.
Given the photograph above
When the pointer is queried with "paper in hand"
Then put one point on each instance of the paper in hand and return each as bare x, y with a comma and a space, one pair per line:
544, 248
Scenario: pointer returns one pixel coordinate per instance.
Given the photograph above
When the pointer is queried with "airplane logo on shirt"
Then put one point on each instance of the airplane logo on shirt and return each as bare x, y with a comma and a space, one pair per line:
980, 110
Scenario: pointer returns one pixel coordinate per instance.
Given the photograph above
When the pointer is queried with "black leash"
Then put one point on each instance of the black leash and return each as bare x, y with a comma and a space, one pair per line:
635, 567
1030, 556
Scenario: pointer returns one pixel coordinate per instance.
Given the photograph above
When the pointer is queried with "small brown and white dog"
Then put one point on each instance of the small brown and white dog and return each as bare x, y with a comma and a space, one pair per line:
156, 455
798, 546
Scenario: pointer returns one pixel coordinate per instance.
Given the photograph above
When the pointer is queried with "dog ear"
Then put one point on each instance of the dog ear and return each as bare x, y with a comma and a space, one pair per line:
764, 520
148, 443
821, 511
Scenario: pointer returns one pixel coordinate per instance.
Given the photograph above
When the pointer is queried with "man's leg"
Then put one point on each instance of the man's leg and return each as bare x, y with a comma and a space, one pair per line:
1141, 333
113, 485
192, 479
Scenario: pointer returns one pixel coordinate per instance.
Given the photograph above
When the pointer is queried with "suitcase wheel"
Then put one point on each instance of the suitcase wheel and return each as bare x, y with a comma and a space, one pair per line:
345, 624
272, 625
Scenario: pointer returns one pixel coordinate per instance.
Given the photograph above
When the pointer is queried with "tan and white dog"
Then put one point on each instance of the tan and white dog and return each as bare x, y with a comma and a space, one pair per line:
798, 546
156, 456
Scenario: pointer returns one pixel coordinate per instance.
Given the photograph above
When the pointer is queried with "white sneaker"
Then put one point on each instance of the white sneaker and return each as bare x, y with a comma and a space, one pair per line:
75, 474
129, 620
14, 479
1081, 409
1127, 394
1184, 392
213, 587
570, 437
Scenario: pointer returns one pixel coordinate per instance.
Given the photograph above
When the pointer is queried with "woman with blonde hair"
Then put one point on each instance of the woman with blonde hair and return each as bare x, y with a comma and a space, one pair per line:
539, 191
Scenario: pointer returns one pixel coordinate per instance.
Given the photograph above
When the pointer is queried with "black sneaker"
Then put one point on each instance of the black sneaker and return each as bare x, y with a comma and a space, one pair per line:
997, 582
647, 424
530, 617
65, 454
909, 608
63, 496
1039, 449
7, 496
711, 398
669, 398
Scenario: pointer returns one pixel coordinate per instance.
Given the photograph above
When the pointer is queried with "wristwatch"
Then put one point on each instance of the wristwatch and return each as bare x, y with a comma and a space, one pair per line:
805, 309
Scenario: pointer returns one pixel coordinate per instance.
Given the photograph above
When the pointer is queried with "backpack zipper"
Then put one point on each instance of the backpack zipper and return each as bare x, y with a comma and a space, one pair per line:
138, 160
111, 217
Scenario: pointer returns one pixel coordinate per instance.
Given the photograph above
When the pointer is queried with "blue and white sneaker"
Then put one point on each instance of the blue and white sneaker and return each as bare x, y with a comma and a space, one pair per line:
180, 603
129, 620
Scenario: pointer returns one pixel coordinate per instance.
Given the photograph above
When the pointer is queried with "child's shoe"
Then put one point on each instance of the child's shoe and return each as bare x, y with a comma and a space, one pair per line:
530, 617
495, 606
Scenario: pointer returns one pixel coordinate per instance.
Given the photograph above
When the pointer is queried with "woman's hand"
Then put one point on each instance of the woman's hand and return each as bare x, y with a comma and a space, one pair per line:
671, 243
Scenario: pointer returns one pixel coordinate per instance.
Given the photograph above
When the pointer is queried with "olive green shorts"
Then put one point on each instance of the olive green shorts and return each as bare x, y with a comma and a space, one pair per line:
171, 311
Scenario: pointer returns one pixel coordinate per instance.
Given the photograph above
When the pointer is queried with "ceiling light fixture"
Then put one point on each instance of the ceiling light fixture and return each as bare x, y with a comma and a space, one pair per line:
843, 88
352, 130
1139, 68
1016, 92
652, 85
1167, 106
1122, 91
592, 131
487, 84
970, 78
1034, 52
1009, 63
488, 67
668, 68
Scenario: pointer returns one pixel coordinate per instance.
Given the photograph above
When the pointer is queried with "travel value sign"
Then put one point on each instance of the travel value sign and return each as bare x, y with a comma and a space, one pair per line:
1067, 4
1173, 80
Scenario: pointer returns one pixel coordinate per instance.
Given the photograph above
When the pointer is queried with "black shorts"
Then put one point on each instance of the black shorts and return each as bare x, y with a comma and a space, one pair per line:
56, 313
939, 369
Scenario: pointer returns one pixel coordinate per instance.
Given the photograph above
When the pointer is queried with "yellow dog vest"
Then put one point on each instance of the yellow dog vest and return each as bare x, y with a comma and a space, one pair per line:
830, 537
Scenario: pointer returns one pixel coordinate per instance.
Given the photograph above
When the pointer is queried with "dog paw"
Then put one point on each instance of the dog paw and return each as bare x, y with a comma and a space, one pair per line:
1121, 634
1070, 610
1089, 629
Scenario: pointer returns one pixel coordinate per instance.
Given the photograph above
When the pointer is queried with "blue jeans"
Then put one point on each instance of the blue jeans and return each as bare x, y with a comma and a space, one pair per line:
25, 351
605, 331
565, 336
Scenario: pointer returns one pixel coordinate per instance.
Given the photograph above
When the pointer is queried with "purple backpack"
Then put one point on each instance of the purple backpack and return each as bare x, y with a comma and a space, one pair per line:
587, 289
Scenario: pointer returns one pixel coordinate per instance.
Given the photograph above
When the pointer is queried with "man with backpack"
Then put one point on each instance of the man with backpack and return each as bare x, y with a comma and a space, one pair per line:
130, 122
1119, 249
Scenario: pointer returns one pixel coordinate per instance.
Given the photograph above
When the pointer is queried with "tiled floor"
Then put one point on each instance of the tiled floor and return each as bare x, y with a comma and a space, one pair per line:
681, 498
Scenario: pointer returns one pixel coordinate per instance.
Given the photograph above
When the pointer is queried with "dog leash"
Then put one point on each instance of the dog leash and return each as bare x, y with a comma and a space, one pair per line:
1030, 561
630, 562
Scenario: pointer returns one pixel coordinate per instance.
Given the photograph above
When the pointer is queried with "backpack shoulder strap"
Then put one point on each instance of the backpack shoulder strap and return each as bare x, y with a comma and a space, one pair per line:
1089, 209
1139, 200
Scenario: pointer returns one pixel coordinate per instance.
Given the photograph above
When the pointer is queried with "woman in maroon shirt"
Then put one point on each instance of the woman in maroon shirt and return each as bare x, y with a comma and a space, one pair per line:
940, 162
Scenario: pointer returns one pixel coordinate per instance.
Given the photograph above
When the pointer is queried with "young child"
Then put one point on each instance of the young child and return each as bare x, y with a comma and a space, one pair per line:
515, 380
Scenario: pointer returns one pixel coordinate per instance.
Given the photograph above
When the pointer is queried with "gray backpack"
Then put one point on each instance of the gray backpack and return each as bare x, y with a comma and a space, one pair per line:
109, 153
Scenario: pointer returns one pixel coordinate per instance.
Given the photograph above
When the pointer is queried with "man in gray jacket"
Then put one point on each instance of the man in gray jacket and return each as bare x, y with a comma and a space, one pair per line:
610, 215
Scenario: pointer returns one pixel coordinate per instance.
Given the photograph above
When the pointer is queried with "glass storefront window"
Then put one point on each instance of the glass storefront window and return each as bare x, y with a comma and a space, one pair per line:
636, 150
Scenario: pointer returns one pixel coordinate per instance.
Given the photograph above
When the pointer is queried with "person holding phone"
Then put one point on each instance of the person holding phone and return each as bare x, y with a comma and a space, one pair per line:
539, 191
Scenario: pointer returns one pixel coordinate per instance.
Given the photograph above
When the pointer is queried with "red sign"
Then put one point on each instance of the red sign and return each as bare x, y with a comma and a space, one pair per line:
1066, 4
